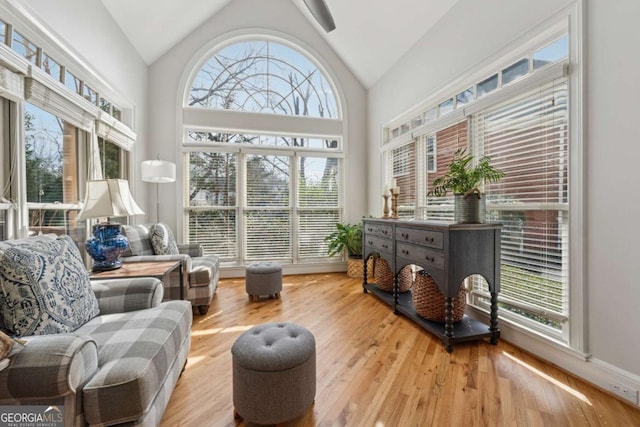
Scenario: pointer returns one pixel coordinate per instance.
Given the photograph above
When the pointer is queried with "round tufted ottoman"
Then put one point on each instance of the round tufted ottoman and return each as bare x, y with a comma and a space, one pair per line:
274, 373
263, 278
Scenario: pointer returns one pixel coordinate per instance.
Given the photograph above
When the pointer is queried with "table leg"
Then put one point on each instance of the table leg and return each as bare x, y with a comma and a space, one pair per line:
396, 294
364, 275
493, 323
448, 324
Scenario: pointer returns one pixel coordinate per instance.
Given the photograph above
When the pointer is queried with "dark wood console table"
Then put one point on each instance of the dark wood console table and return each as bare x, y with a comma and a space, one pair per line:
449, 252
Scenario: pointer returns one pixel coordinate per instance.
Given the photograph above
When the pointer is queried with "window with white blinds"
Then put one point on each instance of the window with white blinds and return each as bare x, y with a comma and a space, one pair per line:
268, 207
435, 151
280, 221
400, 165
516, 111
211, 199
527, 138
282, 126
318, 206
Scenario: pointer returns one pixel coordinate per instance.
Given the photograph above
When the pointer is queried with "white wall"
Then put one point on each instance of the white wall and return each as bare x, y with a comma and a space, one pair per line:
473, 31
87, 28
613, 149
275, 15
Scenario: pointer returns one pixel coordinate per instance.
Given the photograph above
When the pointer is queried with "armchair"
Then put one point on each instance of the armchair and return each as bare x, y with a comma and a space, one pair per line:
106, 352
155, 242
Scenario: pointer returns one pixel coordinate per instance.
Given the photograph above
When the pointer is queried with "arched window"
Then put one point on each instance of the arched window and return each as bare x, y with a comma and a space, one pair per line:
263, 141
266, 77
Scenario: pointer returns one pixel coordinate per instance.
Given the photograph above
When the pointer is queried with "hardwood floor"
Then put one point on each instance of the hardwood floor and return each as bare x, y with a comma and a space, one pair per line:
378, 369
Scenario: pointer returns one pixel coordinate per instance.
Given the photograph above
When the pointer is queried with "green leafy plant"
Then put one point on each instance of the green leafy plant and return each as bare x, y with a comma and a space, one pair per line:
462, 178
346, 237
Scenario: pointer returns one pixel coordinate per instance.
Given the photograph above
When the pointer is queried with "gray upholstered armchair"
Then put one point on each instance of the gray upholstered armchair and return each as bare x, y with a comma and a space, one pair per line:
89, 348
155, 242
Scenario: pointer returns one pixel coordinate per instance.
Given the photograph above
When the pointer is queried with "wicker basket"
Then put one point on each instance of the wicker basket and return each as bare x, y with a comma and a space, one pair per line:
430, 303
384, 276
354, 267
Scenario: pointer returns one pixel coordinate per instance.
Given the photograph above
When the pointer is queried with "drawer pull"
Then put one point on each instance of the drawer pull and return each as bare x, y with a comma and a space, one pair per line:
385, 232
405, 235
430, 259
385, 246
405, 252
429, 239
369, 242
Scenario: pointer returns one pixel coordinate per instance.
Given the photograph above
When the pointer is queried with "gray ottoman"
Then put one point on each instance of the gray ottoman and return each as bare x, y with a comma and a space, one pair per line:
274, 373
263, 278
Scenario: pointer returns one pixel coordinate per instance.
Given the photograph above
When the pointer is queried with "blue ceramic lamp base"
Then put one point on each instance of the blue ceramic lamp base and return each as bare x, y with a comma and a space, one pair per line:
106, 246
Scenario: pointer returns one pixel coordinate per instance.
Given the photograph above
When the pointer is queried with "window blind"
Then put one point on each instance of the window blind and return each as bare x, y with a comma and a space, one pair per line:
115, 131
527, 138
212, 203
400, 165
318, 204
268, 208
11, 84
59, 101
436, 150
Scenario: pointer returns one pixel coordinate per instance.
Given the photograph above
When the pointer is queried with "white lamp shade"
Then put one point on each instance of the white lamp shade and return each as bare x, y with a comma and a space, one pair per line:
109, 198
158, 171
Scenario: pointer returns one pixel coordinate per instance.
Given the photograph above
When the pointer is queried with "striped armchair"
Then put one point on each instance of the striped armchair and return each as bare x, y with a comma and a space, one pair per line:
156, 242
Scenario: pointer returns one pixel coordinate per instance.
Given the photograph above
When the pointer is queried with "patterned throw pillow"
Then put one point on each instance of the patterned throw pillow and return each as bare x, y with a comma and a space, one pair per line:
44, 286
162, 240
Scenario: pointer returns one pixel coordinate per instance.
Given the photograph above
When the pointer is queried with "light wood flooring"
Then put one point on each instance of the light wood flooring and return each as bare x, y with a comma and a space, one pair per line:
378, 369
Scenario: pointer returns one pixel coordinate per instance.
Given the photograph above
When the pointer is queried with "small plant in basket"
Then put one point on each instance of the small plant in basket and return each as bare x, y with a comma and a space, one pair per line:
347, 238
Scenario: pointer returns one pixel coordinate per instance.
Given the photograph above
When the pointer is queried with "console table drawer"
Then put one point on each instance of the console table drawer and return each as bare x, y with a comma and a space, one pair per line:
378, 229
431, 238
421, 256
379, 244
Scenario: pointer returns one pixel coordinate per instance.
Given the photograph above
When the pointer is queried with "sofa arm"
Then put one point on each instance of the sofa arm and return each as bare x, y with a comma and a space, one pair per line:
48, 367
191, 249
122, 295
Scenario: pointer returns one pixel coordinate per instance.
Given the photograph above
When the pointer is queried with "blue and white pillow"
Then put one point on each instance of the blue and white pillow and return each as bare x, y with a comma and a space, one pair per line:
44, 286
162, 240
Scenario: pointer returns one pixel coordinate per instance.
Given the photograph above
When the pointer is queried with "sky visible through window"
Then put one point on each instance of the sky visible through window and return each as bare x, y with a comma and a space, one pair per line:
552, 52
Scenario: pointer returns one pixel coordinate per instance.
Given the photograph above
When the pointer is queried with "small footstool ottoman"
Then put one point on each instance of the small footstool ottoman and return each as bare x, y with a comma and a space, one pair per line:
263, 278
274, 373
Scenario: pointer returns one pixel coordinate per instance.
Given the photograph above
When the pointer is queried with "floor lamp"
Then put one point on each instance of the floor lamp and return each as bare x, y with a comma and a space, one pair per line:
159, 172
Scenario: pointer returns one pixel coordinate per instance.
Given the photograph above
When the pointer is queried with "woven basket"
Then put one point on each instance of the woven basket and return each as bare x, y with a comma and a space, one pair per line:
384, 276
430, 303
354, 267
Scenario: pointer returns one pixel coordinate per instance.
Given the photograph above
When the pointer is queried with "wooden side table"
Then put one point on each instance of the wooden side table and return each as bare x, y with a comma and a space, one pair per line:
158, 269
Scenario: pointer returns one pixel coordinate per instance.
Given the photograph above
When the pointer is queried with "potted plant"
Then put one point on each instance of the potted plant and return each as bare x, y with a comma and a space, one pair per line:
347, 238
464, 179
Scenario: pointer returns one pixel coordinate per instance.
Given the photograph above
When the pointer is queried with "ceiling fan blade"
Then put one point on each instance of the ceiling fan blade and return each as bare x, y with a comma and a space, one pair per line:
320, 11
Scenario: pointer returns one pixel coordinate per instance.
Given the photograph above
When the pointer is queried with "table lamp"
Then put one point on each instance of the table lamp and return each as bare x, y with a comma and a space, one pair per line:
158, 171
108, 198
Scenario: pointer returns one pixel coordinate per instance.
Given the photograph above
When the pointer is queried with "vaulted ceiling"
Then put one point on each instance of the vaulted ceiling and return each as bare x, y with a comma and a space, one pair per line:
370, 36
